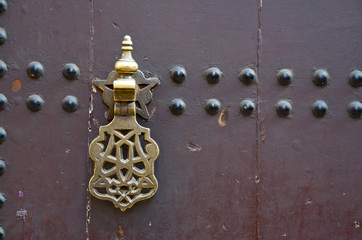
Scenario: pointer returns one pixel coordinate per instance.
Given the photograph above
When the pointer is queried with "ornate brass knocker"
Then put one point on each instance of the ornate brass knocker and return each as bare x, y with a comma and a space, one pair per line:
124, 153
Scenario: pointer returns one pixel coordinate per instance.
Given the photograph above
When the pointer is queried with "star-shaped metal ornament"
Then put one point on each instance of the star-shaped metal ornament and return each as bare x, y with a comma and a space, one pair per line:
143, 90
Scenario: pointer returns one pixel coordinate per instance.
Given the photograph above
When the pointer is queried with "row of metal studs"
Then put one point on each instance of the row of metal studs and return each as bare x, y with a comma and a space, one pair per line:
283, 107
248, 76
3, 37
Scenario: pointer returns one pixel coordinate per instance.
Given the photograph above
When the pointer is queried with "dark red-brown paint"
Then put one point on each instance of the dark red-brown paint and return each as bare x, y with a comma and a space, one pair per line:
258, 177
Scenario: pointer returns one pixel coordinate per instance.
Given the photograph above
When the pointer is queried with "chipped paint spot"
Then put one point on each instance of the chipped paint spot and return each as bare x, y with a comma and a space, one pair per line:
237, 180
224, 117
356, 224
121, 231
150, 223
116, 25
263, 135
257, 179
224, 227
16, 85
67, 150
309, 201
21, 213
192, 147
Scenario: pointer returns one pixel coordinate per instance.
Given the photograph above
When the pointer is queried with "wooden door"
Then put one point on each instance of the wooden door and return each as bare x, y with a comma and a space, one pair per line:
223, 176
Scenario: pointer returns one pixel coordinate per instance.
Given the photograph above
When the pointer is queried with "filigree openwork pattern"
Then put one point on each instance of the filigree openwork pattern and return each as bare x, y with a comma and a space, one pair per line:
124, 163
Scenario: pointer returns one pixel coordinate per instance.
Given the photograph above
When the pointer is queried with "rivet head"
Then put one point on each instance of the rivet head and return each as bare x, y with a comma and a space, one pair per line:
247, 107
178, 74
247, 76
3, 6
355, 78
285, 77
2, 200
320, 77
2, 233
283, 108
319, 108
71, 71
177, 106
3, 36
35, 69
3, 101
213, 75
212, 106
3, 68
355, 109
34, 102
2, 167
3, 134
70, 104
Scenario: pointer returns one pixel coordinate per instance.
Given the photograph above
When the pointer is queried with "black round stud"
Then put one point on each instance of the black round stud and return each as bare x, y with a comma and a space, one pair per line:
283, 108
2, 167
2, 200
35, 69
213, 75
320, 77
3, 6
355, 109
3, 101
247, 107
70, 104
3, 68
319, 108
3, 134
177, 106
212, 106
71, 71
2, 234
34, 102
3, 36
247, 76
355, 78
285, 77
178, 74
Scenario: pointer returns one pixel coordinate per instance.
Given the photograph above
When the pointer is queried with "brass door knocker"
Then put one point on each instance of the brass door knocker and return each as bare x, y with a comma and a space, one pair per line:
124, 153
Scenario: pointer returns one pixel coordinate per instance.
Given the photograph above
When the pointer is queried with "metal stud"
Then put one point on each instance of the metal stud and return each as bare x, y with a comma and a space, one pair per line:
3, 68
3, 134
34, 102
70, 104
355, 78
35, 69
247, 107
355, 109
213, 75
212, 106
319, 108
3, 36
2, 167
178, 74
2, 200
283, 108
247, 76
3, 6
71, 71
320, 77
3, 101
177, 106
285, 77
2, 233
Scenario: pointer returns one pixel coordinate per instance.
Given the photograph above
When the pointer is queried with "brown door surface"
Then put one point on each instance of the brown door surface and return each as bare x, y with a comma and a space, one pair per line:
224, 176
